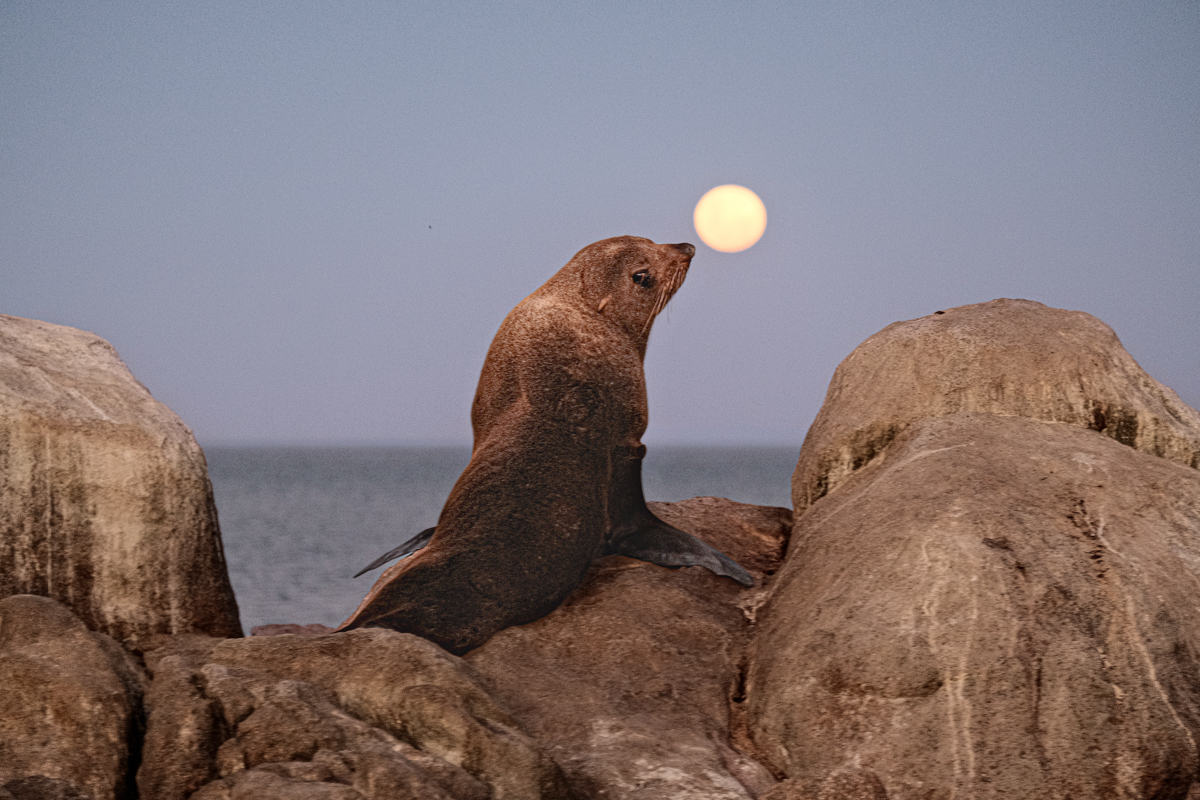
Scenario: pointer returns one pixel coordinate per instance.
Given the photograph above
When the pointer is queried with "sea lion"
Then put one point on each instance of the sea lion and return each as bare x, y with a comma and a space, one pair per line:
555, 476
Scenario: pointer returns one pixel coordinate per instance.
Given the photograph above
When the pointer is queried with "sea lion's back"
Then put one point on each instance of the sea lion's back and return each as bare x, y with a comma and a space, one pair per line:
547, 356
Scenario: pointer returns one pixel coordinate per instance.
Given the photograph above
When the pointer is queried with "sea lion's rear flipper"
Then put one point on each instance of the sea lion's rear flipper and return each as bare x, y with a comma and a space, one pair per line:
411, 546
659, 543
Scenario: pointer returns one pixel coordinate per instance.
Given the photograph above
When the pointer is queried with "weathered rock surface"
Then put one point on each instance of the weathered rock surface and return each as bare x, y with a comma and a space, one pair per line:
996, 608
990, 593
1010, 357
847, 784
624, 692
371, 713
105, 502
629, 685
987, 604
70, 705
757, 534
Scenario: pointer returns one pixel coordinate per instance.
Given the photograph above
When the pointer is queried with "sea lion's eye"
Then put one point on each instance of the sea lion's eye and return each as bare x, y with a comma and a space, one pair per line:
643, 278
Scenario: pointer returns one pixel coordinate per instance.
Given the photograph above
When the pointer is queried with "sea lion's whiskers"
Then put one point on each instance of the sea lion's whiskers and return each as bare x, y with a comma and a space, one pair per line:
653, 312
677, 280
650, 319
666, 291
674, 280
659, 301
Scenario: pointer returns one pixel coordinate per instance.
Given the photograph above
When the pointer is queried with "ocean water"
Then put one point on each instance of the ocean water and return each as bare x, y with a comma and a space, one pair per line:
298, 522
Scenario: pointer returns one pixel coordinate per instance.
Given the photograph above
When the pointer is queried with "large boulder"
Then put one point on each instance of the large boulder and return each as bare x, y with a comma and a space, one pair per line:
371, 713
1009, 357
634, 684
70, 705
996, 607
991, 592
105, 502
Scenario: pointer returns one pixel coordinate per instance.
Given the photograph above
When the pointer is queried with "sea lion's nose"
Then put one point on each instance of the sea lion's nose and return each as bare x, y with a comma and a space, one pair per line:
685, 248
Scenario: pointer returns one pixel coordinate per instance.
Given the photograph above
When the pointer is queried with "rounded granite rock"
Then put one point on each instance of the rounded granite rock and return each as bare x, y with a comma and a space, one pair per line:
105, 500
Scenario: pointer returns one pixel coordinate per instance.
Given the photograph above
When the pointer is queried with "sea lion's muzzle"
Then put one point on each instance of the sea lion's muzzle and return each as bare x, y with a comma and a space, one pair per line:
688, 250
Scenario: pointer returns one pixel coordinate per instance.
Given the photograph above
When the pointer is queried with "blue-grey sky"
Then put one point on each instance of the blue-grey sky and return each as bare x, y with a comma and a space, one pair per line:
303, 222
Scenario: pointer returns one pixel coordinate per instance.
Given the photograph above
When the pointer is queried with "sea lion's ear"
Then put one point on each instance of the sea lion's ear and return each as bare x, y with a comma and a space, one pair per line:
603, 303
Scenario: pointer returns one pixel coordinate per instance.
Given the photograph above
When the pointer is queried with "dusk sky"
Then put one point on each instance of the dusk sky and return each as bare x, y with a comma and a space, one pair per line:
303, 222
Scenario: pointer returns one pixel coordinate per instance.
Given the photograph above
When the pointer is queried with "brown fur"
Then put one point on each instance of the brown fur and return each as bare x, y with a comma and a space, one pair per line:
558, 419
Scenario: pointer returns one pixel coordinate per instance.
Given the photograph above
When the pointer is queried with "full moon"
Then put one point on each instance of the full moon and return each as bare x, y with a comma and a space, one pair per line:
730, 218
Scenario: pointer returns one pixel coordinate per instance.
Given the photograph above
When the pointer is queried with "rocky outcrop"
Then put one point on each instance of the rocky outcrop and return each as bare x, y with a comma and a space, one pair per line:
105, 502
70, 705
1009, 357
634, 684
992, 590
623, 692
989, 593
367, 714
996, 608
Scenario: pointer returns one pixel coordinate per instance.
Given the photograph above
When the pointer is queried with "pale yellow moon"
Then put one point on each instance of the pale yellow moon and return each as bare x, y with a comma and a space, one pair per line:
730, 218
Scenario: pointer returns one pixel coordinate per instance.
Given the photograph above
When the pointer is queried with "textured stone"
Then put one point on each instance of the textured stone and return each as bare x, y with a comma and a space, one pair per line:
70, 705
389, 714
105, 501
993, 607
629, 684
278, 629
847, 784
39, 787
1008, 357
263, 784
184, 731
758, 534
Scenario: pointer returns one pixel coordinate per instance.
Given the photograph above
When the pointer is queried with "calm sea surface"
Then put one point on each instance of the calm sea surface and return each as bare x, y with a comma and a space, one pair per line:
299, 521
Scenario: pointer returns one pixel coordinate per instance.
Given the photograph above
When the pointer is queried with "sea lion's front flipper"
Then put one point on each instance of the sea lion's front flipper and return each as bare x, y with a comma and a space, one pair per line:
411, 546
659, 543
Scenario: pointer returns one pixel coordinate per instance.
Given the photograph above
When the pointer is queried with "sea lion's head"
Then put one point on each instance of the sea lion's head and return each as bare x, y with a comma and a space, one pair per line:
629, 280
